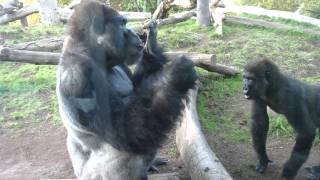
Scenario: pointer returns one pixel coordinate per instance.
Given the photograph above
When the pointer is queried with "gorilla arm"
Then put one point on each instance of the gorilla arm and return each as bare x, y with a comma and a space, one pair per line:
259, 131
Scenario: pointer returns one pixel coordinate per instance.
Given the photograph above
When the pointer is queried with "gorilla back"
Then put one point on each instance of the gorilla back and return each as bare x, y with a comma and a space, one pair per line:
116, 121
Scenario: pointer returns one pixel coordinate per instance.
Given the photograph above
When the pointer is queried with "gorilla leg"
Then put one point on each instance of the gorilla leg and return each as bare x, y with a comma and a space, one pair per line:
78, 155
299, 154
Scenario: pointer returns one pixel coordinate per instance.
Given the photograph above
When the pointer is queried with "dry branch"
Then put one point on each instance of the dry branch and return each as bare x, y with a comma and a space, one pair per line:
270, 13
23, 12
267, 24
49, 58
200, 161
179, 17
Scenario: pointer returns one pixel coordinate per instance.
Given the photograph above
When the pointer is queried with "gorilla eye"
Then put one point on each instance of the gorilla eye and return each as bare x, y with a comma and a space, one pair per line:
124, 21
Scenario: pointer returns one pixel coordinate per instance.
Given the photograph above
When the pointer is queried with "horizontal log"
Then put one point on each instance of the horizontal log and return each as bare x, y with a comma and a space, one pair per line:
163, 176
270, 13
49, 44
33, 57
23, 12
267, 24
65, 13
49, 58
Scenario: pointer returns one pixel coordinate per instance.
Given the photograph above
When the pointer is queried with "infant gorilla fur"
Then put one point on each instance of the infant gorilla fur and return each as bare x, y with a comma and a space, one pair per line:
116, 121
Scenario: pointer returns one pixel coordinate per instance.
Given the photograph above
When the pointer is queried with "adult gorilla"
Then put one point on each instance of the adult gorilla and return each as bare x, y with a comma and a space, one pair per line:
297, 101
116, 121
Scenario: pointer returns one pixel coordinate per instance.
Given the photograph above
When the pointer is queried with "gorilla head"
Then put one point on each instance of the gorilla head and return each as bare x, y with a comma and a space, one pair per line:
259, 77
102, 28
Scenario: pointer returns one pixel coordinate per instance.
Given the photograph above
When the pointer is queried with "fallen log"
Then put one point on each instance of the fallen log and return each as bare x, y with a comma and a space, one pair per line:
176, 18
267, 24
270, 13
49, 44
33, 57
21, 13
65, 13
198, 158
163, 176
49, 58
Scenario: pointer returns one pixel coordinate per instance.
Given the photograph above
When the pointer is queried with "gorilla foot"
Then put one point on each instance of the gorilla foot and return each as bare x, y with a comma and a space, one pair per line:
261, 167
313, 173
159, 161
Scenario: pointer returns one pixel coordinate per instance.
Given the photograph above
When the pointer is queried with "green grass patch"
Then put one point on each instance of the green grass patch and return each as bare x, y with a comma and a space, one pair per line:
14, 33
28, 94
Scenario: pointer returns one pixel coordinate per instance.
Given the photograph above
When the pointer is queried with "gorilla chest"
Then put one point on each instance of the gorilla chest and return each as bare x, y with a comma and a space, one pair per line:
120, 82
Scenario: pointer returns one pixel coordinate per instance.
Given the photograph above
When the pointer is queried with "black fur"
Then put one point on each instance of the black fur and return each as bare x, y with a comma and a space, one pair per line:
265, 85
101, 102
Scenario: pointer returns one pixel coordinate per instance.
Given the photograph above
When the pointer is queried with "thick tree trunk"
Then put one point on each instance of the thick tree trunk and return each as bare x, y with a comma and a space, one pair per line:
201, 163
50, 44
48, 11
48, 58
203, 14
23, 12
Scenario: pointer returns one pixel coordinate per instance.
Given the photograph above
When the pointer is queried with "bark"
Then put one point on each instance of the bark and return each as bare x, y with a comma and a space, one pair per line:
162, 9
23, 12
50, 44
271, 13
64, 14
49, 58
198, 158
32, 57
179, 17
48, 11
267, 24
203, 14
217, 17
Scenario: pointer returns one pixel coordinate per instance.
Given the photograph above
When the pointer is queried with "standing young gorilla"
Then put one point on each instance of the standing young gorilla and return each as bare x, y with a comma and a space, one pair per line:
116, 121
297, 101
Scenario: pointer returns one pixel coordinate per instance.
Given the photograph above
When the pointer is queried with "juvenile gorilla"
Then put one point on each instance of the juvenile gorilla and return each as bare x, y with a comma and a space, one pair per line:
297, 101
116, 120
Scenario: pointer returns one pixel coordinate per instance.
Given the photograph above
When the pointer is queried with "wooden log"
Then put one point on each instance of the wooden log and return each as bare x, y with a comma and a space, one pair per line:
33, 57
49, 58
64, 14
23, 12
198, 158
163, 176
179, 17
267, 24
49, 44
271, 13
162, 9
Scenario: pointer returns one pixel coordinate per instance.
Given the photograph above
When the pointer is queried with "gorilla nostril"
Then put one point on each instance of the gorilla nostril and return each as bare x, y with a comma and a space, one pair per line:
140, 46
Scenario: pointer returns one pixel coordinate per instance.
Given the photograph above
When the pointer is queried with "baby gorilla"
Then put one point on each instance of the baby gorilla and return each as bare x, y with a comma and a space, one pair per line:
115, 120
265, 85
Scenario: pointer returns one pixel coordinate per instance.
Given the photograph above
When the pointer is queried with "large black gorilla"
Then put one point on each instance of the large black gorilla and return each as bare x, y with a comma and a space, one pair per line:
116, 120
297, 101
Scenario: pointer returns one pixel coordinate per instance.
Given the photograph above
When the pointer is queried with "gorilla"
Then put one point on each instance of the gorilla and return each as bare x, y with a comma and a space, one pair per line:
116, 120
265, 85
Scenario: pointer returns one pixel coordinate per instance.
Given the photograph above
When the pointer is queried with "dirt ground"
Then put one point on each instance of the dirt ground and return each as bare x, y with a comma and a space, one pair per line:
39, 152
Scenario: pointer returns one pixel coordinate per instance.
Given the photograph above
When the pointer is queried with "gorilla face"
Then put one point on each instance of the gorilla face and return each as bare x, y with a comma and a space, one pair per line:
254, 85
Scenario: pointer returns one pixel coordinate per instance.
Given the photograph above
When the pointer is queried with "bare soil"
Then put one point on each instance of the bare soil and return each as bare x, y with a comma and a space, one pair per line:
39, 152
